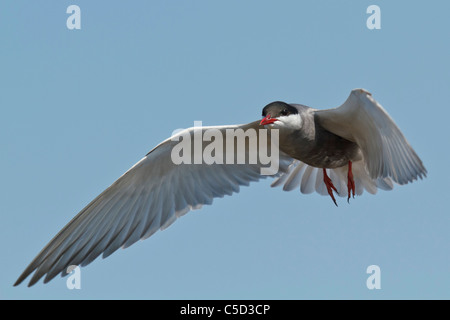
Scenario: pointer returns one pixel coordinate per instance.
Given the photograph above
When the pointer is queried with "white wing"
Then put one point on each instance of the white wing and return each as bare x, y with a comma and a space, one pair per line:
386, 152
148, 197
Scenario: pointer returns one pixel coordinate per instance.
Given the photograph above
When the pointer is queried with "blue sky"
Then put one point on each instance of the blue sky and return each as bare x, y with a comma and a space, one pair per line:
79, 107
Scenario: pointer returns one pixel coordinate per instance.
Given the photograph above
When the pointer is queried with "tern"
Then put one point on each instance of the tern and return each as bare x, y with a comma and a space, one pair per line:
342, 151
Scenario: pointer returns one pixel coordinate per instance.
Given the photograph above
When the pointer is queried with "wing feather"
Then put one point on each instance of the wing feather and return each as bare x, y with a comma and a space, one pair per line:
149, 196
309, 179
386, 151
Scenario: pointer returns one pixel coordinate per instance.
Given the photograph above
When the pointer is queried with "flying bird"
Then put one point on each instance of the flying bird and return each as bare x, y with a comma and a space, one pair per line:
341, 151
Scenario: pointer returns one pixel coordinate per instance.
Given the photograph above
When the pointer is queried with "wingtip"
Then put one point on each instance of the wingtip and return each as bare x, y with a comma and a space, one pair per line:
29, 270
20, 280
358, 91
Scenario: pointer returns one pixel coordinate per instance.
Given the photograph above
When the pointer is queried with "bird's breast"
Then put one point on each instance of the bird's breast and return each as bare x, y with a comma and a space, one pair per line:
323, 149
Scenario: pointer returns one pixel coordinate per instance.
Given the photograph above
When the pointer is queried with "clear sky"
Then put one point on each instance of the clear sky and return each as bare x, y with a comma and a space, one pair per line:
79, 107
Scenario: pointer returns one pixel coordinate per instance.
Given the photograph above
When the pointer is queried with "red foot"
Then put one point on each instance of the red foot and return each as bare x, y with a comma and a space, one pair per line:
351, 182
329, 185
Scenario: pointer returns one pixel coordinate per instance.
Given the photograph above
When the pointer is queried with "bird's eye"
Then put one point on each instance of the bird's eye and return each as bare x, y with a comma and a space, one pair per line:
284, 112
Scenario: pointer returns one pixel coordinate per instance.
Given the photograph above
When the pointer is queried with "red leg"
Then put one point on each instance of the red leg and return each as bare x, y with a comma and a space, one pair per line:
351, 182
329, 185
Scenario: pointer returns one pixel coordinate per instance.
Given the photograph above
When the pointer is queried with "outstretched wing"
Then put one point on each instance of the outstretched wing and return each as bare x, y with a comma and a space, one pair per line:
148, 197
386, 151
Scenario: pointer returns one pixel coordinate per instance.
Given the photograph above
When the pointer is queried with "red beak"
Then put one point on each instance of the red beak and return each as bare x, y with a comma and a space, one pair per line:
267, 120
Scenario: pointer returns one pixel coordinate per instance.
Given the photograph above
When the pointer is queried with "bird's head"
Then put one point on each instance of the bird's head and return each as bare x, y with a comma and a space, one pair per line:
279, 115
